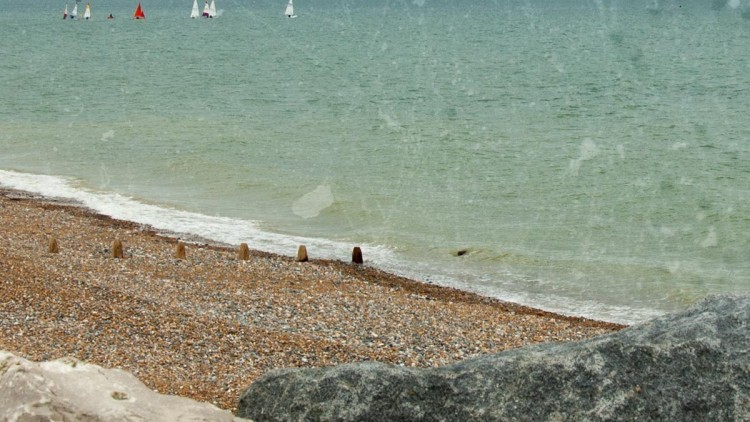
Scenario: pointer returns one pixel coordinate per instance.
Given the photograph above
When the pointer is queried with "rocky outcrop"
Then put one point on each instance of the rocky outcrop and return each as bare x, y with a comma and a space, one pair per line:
70, 390
693, 365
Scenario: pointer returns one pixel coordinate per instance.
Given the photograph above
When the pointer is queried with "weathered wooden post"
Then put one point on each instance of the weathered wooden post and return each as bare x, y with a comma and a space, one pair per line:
244, 253
53, 248
357, 255
302, 254
179, 251
117, 249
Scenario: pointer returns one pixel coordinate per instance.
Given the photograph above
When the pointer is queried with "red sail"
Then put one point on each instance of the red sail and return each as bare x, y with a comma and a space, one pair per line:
139, 13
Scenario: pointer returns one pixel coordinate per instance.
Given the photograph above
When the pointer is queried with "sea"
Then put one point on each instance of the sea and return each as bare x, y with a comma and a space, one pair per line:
590, 158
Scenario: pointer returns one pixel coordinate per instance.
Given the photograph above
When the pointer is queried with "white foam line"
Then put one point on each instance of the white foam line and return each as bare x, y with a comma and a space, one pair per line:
218, 229
234, 231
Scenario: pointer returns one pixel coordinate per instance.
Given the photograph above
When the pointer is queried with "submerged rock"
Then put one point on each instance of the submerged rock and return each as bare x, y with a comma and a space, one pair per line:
70, 390
693, 365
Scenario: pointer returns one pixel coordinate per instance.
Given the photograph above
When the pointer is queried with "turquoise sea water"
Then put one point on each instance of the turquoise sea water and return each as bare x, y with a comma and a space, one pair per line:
591, 158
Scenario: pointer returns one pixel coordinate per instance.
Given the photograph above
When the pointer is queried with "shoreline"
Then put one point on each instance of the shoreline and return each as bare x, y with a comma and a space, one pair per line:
206, 326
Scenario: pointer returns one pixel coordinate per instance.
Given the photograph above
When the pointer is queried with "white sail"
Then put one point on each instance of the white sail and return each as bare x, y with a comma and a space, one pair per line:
212, 9
194, 14
87, 13
65, 13
289, 12
206, 10
74, 13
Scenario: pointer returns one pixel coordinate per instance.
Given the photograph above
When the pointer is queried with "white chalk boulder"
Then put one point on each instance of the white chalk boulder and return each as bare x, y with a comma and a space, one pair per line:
71, 390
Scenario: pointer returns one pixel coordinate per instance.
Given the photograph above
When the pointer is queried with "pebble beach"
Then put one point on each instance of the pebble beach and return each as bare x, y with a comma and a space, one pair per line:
207, 325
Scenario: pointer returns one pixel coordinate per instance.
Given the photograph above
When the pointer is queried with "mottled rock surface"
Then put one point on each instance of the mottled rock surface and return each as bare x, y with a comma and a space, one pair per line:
688, 366
70, 390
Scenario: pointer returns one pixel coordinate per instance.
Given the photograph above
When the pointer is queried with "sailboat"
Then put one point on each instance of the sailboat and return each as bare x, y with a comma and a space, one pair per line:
206, 10
212, 9
289, 12
194, 14
74, 12
65, 12
139, 12
87, 12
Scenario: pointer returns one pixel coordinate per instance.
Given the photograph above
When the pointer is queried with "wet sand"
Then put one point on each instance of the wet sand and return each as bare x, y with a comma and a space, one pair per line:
207, 325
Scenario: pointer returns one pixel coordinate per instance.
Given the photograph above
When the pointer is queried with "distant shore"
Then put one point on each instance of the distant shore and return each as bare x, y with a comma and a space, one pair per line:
207, 325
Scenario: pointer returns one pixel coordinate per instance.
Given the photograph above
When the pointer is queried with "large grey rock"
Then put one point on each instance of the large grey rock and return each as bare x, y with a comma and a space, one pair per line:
70, 390
690, 366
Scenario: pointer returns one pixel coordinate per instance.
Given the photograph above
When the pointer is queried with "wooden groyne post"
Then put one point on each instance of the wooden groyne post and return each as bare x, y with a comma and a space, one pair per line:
117, 249
53, 247
243, 254
357, 255
179, 251
302, 254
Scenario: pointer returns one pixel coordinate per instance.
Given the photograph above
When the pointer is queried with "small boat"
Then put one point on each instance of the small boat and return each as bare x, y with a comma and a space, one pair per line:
65, 12
212, 9
87, 12
139, 12
194, 14
289, 12
206, 10
74, 12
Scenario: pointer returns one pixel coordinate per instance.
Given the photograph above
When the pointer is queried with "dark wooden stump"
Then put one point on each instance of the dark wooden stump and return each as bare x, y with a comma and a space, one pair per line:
357, 255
